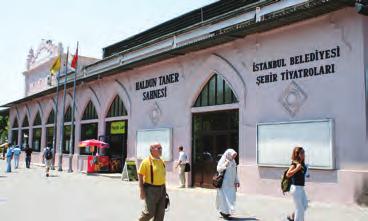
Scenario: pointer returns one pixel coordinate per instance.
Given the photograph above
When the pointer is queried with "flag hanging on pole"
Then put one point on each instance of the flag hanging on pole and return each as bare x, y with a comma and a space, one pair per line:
56, 65
75, 59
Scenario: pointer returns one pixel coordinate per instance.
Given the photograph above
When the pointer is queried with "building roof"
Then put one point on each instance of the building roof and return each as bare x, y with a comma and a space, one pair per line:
179, 23
211, 14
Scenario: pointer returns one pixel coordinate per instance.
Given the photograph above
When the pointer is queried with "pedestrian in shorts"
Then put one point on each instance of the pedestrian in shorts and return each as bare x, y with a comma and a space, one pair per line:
48, 156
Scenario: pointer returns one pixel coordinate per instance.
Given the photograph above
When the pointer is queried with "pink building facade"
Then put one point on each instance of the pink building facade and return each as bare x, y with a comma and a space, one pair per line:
244, 66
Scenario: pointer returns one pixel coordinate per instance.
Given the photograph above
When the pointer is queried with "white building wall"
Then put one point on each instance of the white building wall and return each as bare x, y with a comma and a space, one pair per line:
339, 96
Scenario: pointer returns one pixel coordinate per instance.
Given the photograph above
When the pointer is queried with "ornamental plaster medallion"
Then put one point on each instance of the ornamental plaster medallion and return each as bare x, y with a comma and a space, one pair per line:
292, 98
155, 113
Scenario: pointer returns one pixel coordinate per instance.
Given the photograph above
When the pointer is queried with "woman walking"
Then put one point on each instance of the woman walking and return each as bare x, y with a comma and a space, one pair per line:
297, 172
226, 195
9, 157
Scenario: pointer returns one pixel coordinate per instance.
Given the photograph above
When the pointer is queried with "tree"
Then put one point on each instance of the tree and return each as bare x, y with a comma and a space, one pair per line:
4, 125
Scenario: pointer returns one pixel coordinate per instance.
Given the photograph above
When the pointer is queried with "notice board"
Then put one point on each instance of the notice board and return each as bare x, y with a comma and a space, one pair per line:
275, 142
146, 137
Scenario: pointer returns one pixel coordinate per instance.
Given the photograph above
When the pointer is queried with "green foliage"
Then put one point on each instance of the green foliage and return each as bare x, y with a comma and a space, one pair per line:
4, 126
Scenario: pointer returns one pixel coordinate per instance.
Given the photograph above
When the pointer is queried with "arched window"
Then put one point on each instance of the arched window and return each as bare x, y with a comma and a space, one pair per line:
50, 119
89, 130
37, 120
25, 133
216, 92
117, 108
50, 129
15, 123
37, 133
90, 112
68, 115
25, 122
14, 132
67, 130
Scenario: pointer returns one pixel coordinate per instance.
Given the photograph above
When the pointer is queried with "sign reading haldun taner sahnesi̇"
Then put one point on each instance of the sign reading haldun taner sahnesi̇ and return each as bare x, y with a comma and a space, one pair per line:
295, 73
154, 82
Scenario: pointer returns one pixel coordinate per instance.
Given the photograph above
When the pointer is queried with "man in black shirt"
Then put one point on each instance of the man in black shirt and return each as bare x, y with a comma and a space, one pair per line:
28, 151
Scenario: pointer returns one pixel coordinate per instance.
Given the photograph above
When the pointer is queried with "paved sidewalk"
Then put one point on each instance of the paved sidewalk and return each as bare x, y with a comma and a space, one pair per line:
26, 194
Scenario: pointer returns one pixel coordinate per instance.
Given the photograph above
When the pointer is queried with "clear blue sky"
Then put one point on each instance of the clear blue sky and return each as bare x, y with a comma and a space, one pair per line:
94, 23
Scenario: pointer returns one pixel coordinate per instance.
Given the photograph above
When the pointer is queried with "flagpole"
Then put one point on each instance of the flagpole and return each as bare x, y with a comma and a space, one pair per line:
55, 121
71, 149
62, 116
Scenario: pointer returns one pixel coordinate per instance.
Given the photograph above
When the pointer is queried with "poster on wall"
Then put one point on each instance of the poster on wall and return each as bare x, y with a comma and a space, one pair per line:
275, 142
147, 137
117, 127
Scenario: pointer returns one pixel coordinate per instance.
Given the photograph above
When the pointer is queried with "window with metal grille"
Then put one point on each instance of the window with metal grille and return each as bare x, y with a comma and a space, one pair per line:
15, 123
50, 119
216, 92
25, 122
90, 112
14, 139
68, 115
66, 140
36, 139
117, 108
88, 131
37, 120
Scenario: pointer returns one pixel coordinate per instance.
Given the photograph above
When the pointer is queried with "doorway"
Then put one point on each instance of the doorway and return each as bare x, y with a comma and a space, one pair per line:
116, 137
213, 133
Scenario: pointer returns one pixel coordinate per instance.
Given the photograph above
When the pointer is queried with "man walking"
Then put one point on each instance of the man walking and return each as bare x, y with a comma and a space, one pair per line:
48, 156
152, 179
181, 164
28, 151
17, 151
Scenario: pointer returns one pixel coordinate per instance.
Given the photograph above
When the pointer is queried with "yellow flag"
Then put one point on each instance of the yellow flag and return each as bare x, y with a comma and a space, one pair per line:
56, 66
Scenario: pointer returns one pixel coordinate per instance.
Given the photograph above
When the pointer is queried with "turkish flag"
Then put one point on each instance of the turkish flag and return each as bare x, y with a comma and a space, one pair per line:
75, 60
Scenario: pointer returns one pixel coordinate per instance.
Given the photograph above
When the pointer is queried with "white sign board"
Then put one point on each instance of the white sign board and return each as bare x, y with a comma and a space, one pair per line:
275, 142
147, 137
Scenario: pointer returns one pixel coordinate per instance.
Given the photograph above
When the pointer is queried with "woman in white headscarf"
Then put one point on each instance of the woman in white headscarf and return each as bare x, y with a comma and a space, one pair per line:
226, 195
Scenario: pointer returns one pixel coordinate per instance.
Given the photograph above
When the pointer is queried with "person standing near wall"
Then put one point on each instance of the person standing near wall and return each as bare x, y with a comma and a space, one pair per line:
297, 172
28, 151
17, 151
48, 156
5, 148
181, 164
152, 179
9, 157
226, 195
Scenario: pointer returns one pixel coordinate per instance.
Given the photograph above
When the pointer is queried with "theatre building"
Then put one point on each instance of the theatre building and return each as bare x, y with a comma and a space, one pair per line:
260, 77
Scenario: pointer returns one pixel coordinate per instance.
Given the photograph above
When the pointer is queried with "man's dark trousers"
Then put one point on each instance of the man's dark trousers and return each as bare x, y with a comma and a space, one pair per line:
154, 203
28, 161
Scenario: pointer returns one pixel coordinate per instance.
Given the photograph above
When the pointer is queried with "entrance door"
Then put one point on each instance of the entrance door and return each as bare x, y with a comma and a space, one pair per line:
213, 133
117, 138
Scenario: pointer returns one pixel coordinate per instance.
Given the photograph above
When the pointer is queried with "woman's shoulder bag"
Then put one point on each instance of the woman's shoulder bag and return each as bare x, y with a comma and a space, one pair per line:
218, 178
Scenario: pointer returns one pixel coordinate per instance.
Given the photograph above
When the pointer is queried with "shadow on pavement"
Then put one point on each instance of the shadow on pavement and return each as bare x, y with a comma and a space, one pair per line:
242, 219
53, 176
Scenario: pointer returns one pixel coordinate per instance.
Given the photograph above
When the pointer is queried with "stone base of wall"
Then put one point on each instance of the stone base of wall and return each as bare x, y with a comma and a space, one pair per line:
333, 186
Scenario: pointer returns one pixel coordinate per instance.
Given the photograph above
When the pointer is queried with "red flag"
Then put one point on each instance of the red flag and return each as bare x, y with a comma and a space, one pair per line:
75, 59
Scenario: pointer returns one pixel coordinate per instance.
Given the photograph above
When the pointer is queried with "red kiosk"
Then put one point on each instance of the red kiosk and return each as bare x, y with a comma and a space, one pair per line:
98, 161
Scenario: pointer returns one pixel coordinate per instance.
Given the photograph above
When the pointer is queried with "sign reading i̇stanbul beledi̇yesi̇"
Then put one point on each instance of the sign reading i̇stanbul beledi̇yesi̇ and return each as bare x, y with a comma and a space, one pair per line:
295, 73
